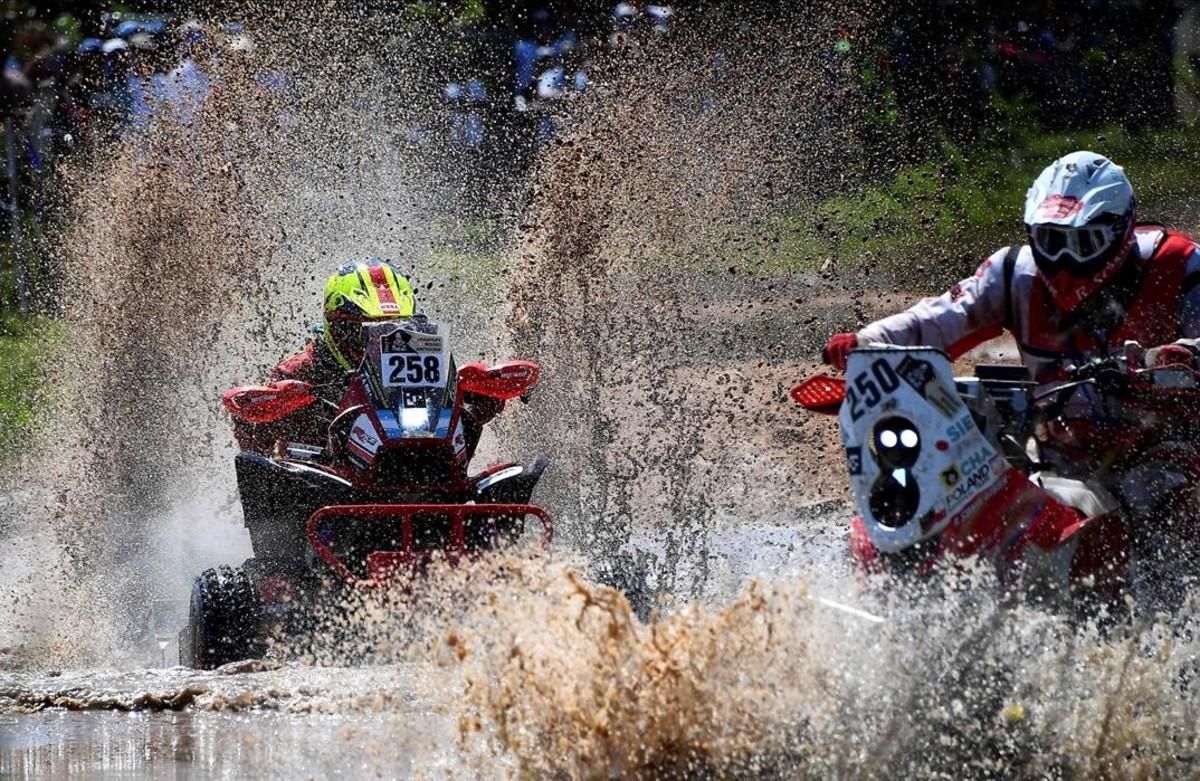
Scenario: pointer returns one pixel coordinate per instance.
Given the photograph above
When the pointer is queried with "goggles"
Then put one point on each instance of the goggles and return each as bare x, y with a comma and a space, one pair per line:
1079, 251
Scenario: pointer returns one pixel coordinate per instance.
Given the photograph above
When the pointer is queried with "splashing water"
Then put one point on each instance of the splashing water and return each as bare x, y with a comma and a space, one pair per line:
196, 256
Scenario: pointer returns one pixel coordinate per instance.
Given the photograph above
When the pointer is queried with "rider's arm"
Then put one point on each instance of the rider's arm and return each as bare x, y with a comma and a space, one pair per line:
960, 319
1189, 306
302, 426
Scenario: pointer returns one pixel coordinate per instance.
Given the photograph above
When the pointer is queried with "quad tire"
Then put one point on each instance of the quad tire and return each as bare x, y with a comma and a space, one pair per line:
224, 620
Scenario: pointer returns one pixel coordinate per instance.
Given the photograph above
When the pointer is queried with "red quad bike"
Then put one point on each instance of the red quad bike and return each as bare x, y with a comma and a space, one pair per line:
387, 491
943, 468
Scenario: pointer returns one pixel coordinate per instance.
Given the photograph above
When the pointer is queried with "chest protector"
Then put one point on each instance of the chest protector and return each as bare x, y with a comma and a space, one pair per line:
1145, 308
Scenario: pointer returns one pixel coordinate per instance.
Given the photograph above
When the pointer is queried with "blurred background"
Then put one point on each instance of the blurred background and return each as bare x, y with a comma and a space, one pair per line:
950, 101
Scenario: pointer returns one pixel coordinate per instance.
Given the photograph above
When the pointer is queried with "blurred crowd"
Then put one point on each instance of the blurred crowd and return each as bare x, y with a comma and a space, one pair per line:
72, 82
924, 64
63, 89
66, 87
1084, 64
549, 56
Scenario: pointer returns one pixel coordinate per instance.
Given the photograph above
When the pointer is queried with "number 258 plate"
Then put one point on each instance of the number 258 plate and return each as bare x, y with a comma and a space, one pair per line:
406, 370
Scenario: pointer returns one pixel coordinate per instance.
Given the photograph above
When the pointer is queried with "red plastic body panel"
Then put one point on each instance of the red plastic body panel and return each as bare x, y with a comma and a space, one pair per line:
821, 393
1003, 525
505, 381
268, 403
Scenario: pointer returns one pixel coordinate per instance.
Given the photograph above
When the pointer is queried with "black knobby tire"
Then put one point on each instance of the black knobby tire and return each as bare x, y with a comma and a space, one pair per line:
224, 620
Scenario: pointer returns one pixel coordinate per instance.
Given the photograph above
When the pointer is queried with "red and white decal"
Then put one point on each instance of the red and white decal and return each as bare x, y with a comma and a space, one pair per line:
1059, 207
364, 439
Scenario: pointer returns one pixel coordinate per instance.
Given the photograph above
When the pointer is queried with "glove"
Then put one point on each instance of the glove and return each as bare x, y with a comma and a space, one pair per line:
482, 408
1168, 355
838, 349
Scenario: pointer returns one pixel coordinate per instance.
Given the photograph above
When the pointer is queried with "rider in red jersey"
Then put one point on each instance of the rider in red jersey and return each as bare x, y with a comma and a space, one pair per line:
358, 292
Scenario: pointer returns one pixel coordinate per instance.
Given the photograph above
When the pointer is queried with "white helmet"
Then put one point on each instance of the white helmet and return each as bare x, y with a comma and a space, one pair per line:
1079, 215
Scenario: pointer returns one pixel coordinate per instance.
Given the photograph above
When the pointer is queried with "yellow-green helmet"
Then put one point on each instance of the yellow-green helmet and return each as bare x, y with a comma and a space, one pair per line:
359, 292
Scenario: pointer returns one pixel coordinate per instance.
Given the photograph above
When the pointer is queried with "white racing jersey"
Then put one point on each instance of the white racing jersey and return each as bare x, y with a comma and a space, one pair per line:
1161, 305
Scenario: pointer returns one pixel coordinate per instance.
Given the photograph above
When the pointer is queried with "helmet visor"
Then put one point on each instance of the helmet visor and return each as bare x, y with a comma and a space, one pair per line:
1080, 251
349, 337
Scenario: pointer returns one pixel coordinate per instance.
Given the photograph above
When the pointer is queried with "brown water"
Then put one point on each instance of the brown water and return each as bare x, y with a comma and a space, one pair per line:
635, 278
185, 724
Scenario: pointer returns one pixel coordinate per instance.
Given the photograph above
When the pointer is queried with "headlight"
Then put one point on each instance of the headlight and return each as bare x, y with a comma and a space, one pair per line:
414, 418
896, 443
895, 497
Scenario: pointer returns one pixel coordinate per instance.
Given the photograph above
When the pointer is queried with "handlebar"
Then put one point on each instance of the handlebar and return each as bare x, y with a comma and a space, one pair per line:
1119, 377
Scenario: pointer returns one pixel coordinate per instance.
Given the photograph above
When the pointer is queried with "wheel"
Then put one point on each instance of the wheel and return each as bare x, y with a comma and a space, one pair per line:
224, 620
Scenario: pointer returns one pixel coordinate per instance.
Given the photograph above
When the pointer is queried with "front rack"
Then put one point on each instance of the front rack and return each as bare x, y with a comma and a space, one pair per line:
409, 555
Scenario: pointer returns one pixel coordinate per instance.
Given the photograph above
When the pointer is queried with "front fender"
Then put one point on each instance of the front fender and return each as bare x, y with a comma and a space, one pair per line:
509, 484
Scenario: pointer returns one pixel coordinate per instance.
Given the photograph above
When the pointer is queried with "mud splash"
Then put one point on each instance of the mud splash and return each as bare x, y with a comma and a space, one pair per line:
193, 260
774, 685
640, 284
668, 354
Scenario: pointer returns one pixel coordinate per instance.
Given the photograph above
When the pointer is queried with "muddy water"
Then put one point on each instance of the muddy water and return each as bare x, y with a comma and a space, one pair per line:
668, 352
429, 718
300, 722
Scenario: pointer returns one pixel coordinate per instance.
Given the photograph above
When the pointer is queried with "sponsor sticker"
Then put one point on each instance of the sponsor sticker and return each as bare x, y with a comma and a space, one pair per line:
924, 380
1059, 207
363, 439
854, 460
960, 428
460, 442
412, 341
979, 472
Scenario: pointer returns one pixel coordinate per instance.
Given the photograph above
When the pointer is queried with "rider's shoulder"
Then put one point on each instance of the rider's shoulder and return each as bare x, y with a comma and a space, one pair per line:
310, 364
1152, 240
1023, 265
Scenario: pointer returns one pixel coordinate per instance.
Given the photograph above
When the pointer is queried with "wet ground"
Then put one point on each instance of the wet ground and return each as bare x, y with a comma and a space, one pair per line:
175, 723
297, 721
778, 509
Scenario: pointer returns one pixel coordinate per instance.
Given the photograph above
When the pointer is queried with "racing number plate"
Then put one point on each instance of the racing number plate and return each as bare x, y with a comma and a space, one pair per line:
411, 359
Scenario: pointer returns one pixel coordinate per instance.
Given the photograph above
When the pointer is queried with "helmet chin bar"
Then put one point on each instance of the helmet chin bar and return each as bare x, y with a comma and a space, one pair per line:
1072, 275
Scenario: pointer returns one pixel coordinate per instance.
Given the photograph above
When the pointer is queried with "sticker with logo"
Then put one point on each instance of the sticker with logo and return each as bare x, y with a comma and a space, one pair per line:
924, 380
854, 460
460, 441
364, 441
1059, 207
960, 429
980, 472
979, 498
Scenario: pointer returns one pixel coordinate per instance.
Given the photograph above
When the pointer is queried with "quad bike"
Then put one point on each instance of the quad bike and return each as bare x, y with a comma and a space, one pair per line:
1018, 473
385, 494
